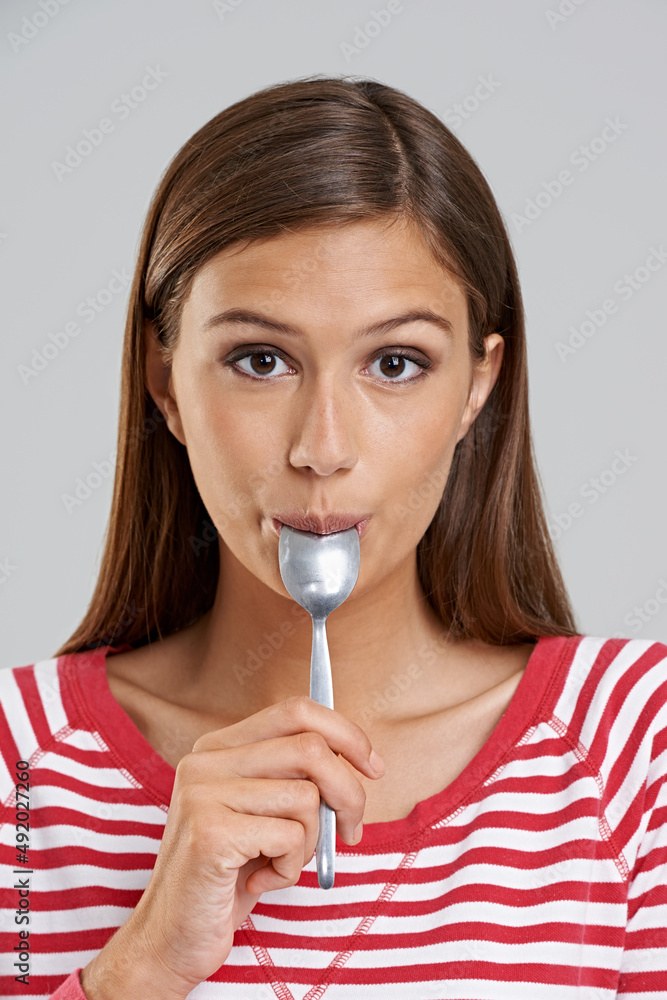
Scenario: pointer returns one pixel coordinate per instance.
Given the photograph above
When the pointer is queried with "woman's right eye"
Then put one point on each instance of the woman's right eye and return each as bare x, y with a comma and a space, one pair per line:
261, 364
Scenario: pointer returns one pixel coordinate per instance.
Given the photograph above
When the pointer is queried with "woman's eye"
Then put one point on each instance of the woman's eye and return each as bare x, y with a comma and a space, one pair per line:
261, 363
393, 366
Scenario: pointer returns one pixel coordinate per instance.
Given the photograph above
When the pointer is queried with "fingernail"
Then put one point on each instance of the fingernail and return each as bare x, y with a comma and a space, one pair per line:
376, 762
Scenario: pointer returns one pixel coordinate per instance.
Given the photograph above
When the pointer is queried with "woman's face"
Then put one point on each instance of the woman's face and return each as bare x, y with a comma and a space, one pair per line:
335, 398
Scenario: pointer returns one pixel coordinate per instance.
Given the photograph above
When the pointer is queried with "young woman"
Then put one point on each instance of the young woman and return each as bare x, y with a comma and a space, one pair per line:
326, 330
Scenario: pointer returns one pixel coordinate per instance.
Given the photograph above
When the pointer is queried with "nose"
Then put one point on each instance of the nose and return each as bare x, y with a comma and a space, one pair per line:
323, 429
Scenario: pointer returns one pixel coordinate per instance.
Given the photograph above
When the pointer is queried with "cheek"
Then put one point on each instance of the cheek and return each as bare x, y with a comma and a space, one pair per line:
416, 463
226, 446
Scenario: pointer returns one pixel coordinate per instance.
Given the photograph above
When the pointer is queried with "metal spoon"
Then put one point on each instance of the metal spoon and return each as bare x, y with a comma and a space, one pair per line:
319, 572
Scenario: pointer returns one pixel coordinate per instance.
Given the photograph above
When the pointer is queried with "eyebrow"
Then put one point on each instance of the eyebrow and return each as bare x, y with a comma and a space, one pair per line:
245, 316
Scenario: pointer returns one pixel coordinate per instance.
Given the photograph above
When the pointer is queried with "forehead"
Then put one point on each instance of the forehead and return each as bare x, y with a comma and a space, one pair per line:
348, 262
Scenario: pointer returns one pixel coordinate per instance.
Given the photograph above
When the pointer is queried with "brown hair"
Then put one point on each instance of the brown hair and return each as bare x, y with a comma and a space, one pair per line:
321, 150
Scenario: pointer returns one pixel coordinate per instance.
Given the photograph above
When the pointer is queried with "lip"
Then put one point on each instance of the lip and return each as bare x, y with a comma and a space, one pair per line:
326, 525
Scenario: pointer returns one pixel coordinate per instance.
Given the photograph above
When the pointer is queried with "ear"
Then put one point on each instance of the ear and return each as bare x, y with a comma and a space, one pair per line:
483, 380
159, 382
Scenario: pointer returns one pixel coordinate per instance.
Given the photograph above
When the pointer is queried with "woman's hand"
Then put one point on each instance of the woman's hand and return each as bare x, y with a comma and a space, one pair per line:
243, 820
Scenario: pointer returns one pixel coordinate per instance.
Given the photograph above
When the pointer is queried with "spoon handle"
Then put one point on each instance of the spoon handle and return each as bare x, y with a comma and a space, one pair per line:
321, 690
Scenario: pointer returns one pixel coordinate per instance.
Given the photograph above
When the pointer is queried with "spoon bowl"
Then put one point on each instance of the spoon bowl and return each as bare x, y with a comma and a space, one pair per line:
319, 571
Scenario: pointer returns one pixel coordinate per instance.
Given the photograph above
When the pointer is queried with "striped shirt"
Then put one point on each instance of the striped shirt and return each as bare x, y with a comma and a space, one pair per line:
539, 872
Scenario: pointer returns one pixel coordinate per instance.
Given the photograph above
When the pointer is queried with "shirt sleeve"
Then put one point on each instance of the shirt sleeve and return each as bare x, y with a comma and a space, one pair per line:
643, 971
70, 989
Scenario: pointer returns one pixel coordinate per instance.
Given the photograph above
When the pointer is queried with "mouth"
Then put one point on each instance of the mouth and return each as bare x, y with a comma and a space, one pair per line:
322, 525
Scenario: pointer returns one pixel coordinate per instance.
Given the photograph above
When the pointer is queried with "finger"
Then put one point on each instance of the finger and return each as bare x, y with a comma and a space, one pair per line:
281, 840
303, 755
291, 798
296, 714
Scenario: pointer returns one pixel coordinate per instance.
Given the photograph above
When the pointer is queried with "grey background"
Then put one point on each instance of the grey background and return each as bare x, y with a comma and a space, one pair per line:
554, 78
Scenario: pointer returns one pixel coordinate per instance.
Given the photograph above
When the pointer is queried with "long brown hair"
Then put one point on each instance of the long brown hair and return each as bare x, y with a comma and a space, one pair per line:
321, 150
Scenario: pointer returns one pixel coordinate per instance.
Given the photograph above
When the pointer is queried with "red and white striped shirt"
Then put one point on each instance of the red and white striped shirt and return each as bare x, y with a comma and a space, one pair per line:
540, 872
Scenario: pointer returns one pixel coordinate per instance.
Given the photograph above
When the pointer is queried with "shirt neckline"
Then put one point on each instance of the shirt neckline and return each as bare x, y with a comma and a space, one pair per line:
86, 692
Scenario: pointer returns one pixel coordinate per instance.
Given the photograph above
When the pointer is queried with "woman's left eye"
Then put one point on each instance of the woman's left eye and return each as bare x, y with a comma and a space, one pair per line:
394, 365
260, 363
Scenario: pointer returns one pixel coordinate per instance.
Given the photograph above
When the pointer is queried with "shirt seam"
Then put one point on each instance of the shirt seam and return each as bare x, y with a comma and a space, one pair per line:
538, 717
38, 753
119, 763
343, 955
582, 753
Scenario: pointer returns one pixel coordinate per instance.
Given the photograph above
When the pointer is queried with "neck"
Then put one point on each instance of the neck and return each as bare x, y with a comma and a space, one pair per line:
386, 645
